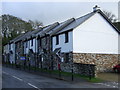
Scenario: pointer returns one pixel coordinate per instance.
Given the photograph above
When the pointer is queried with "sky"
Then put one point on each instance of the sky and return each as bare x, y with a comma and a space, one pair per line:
49, 12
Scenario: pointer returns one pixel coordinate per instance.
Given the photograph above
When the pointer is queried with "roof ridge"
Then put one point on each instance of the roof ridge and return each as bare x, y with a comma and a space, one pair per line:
67, 22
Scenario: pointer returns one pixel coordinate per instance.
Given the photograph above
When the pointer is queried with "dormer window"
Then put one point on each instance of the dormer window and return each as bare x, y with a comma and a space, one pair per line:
66, 37
57, 40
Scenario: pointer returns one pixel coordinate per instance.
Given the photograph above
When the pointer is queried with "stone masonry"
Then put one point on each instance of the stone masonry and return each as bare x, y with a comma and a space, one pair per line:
78, 68
89, 63
103, 62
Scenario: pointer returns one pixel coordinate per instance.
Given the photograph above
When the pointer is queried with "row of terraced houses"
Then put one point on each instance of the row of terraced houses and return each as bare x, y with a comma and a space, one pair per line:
86, 43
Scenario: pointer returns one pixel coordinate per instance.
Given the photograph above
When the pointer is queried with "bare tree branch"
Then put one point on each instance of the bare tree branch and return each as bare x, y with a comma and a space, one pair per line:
110, 16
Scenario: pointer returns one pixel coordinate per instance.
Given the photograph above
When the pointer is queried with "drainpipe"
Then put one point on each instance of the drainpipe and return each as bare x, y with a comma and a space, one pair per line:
35, 53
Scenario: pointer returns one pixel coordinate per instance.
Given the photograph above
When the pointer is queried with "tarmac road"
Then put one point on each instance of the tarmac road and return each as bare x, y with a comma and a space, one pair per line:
12, 78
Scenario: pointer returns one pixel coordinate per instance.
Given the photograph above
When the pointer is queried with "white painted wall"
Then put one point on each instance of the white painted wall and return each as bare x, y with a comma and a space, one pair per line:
34, 47
12, 56
65, 47
26, 50
12, 46
95, 35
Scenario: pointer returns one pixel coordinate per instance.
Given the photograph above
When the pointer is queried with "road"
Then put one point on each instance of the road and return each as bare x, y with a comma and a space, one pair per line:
12, 78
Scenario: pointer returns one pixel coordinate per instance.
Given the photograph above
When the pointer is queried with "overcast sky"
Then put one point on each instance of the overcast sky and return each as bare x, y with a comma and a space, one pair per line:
50, 12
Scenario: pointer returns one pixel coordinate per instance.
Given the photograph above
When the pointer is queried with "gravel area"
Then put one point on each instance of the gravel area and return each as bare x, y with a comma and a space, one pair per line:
115, 77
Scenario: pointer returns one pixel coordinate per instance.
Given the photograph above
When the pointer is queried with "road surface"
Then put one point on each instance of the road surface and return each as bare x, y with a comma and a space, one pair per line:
12, 78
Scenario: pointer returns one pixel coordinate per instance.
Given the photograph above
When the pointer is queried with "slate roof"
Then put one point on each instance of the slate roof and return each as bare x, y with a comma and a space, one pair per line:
23, 36
57, 28
76, 23
47, 29
32, 33
60, 26
15, 39
82, 19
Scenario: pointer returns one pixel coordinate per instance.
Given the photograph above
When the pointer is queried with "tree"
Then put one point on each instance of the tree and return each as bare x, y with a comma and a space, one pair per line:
35, 24
117, 25
113, 19
13, 26
110, 16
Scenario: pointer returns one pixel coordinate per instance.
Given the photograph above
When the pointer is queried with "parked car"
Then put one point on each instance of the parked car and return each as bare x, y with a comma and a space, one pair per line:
117, 68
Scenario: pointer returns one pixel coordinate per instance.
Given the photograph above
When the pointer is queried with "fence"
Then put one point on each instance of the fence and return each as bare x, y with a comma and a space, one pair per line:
59, 74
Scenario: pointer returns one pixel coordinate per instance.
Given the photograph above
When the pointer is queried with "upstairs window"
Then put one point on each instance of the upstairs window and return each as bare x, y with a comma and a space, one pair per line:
46, 41
57, 40
66, 37
32, 42
26, 44
40, 42
20, 44
9, 46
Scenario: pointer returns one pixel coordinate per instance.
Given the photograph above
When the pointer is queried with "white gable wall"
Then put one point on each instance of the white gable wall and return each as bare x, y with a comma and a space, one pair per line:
95, 35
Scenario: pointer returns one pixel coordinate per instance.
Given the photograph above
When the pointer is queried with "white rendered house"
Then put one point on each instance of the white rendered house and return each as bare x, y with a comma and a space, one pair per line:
85, 44
90, 39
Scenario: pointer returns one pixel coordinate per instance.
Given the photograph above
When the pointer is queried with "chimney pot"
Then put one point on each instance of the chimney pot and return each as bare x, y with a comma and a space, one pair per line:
96, 8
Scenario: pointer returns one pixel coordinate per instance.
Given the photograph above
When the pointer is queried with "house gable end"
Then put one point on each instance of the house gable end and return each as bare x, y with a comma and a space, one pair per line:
95, 35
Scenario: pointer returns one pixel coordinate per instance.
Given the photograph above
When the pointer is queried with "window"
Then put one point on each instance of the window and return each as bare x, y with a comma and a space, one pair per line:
32, 42
57, 40
20, 44
46, 40
66, 37
66, 57
9, 46
26, 44
42, 59
40, 42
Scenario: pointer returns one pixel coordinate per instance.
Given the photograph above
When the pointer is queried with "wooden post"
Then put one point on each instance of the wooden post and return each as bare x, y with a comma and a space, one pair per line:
90, 73
72, 73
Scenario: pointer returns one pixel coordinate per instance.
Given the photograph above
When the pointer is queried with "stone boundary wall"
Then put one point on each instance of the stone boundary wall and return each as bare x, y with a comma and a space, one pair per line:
85, 63
78, 68
103, 62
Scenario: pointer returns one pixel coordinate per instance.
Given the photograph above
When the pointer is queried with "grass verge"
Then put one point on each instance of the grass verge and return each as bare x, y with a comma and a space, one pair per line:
68, 74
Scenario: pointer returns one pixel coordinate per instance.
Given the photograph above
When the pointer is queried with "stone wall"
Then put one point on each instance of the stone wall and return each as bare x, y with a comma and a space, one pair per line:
89, 63
45, 43
84, 63
64, 66
103, 62
78, 68
84, 69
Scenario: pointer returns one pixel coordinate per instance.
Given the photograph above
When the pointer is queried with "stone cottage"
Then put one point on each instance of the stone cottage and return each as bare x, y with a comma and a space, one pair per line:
88, 43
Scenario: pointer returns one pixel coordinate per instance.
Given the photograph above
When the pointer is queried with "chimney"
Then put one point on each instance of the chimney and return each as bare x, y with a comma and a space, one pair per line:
96, 8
